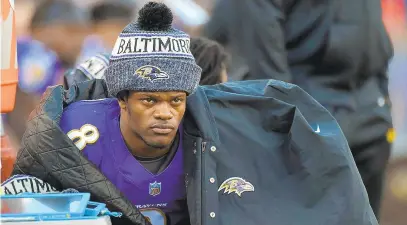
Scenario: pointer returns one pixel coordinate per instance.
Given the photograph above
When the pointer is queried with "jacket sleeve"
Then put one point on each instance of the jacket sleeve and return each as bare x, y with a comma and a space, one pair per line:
26, 162
320, 145
28, 165
256, 28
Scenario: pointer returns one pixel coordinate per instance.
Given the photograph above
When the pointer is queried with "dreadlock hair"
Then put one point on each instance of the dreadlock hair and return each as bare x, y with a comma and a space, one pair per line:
211, 57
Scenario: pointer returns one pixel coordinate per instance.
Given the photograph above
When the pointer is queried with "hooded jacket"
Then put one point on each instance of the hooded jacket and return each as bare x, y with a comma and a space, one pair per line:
266, 133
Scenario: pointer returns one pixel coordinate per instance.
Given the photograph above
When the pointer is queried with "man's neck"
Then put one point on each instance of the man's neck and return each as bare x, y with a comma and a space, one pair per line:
145, 151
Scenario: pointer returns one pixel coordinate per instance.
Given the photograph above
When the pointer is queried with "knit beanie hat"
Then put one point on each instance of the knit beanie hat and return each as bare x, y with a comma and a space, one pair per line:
151, 56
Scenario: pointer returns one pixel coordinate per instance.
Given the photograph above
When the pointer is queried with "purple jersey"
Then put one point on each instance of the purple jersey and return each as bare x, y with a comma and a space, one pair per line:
94, 128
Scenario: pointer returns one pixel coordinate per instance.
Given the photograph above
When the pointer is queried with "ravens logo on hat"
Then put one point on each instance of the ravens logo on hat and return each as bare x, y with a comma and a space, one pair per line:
151, 73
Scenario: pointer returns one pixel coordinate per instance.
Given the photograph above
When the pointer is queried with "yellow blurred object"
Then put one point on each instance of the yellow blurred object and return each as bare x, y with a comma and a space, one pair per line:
398, 185
391, 135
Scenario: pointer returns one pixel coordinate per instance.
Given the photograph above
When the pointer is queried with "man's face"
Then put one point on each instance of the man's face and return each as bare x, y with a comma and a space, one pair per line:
65, 40
154, 117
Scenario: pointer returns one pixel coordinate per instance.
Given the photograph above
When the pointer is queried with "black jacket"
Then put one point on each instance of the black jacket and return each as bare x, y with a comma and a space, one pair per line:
269, 133
335, 43
336, 50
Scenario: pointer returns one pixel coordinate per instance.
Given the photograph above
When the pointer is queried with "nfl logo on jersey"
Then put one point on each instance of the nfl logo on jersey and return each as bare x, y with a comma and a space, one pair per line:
155, 188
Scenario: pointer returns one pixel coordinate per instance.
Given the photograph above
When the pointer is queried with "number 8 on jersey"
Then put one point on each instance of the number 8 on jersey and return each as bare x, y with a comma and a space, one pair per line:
87, 134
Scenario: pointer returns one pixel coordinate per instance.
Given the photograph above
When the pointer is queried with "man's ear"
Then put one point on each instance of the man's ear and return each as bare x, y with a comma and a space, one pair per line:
122, 104
122, 98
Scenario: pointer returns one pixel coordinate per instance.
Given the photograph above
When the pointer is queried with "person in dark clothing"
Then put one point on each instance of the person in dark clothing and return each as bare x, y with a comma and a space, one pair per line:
337, 51
57, 26
62, 27
108, 20
212, 58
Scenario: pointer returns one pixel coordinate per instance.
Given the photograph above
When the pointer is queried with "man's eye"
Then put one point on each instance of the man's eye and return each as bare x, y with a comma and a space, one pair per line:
177, 100
148, 100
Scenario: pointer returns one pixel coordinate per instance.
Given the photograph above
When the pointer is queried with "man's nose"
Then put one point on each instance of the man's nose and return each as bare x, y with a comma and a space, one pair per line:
163, 112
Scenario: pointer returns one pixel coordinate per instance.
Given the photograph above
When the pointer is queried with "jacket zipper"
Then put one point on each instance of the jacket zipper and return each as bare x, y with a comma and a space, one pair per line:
203, 188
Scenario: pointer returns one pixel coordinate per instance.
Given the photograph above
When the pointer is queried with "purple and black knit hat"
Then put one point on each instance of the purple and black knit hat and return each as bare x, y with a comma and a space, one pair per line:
151, 55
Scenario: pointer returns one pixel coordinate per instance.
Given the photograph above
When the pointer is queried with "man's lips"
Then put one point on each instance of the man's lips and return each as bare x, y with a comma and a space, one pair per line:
162, 128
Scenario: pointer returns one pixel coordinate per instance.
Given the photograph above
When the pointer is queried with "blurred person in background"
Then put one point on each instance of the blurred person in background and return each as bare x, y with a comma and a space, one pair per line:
337, 51
108, 18
62, 27
52, 44
23, 16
